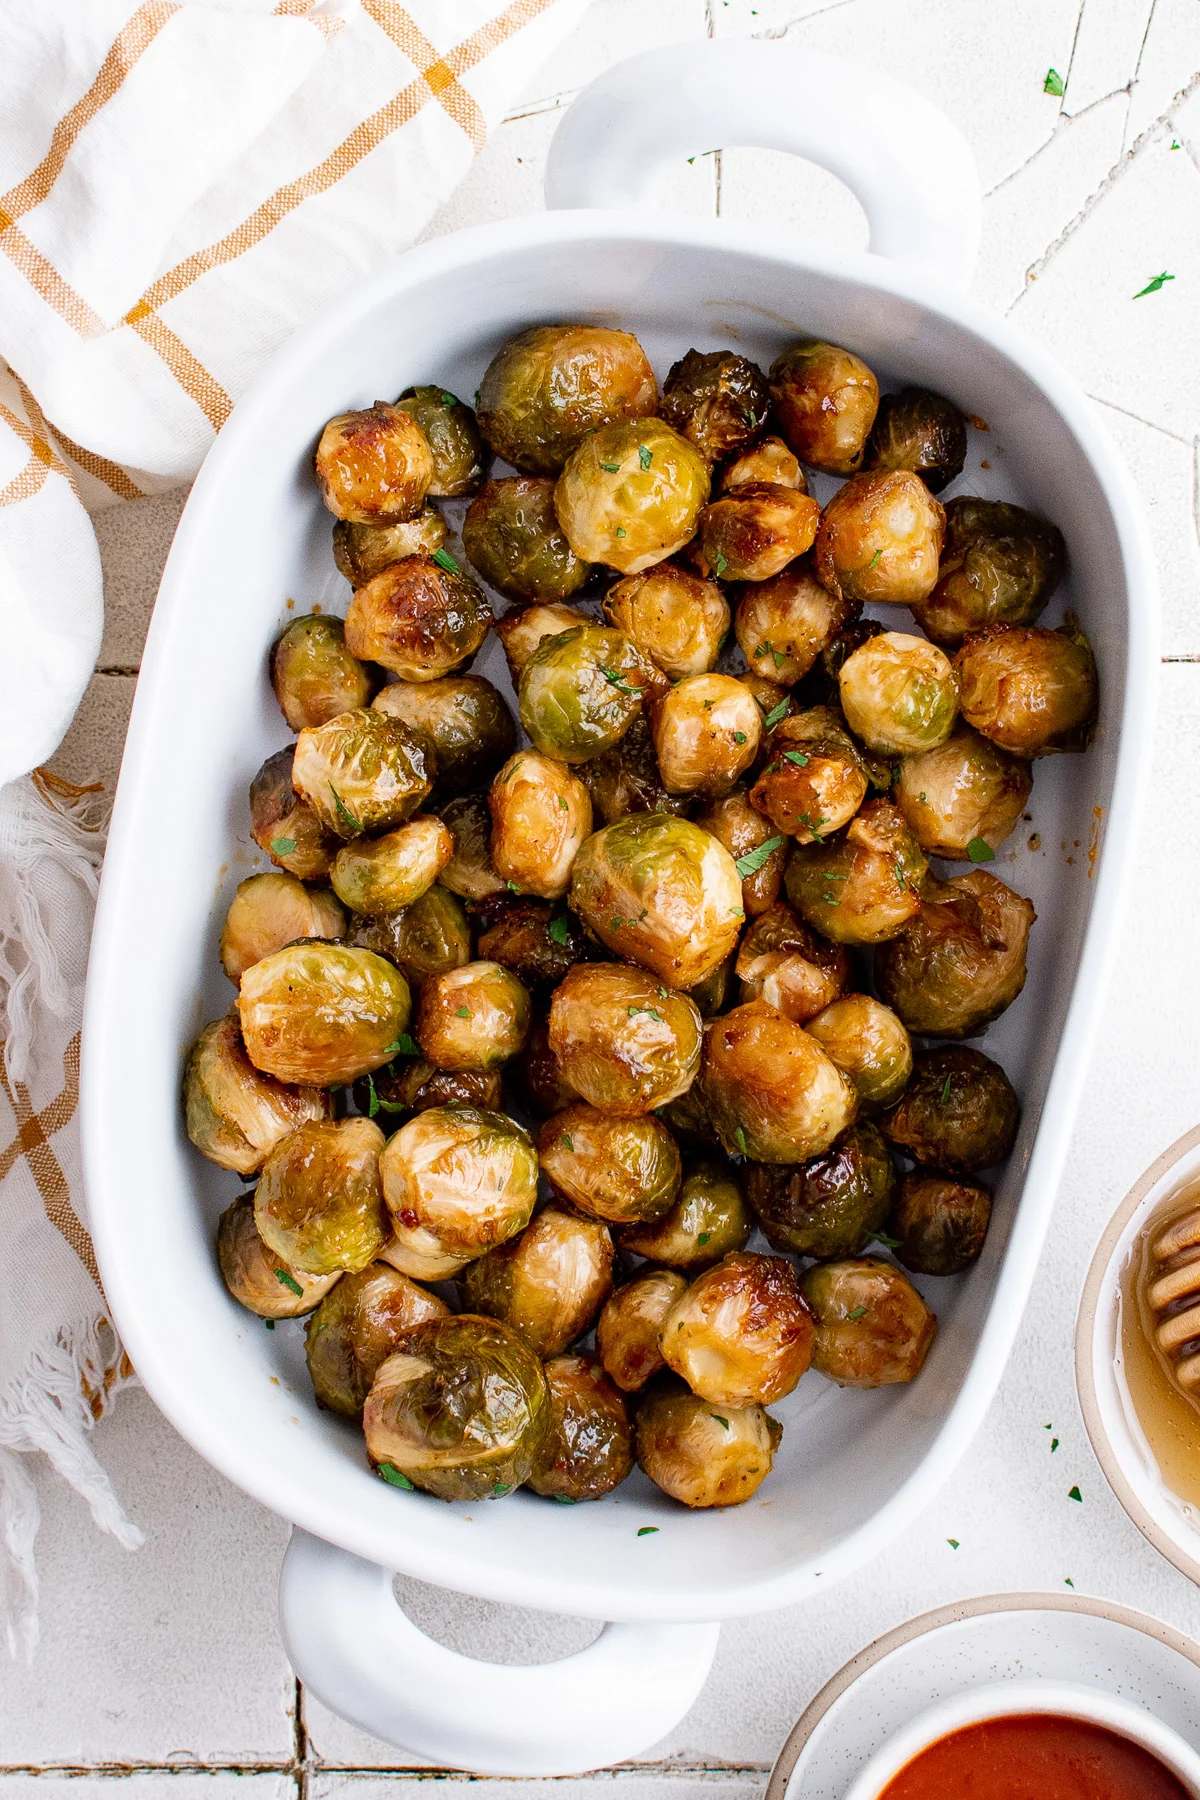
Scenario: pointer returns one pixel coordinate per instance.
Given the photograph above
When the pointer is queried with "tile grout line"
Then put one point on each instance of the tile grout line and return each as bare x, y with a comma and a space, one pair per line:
302, 1766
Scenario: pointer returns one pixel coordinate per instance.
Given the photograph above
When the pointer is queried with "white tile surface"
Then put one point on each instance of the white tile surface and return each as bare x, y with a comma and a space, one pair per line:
1107, 47
663, 1785
1167, 64
152, 1785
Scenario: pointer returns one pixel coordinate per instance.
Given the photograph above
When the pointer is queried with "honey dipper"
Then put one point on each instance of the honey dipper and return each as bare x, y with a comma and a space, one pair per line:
1173, 1297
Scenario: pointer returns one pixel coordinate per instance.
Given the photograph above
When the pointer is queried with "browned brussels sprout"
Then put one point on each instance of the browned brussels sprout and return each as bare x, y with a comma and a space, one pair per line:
427, 938
660, 892
864, 887
1000, 565
236, 1114
741, 1334
284, 827
453, 439
921, 431
756, 529
465, 717
899, 694
590, 1451
623, 1041
814, 779
549, 1283
545, 1088
769, 460
322, 1014
783, 625
579, 691
457, 1180
362, 772
873, 1328
690, 1121
412, 1085
627, 778
314, 675
360, 1325
1031, 691
269, 911
961, 960
674, 618
470, 872
719, 400
363, 551
869, 1044
383, 875
461, 1410
421, 618
758, 851
772, 1093
630, 1326
701, 1453
318, 1203
541, 814
525, 627
830, 1206
880, 538
784, 963
620, 1170
941, 1222
825, 400
958, 1113
631, 494
257, 1276
374, 467
715, 992
513, 538
472, 1018
551, 385
708, 1220
965, 793
538, 942
706, 733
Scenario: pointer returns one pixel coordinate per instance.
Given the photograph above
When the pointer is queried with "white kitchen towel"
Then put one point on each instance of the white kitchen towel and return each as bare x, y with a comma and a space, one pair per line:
182, 182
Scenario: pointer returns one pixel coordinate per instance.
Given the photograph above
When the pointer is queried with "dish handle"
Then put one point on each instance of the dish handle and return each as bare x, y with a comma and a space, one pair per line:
349, 1642
911, 169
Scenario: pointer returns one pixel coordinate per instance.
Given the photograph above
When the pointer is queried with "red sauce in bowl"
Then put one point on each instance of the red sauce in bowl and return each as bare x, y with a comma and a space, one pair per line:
1034, 1756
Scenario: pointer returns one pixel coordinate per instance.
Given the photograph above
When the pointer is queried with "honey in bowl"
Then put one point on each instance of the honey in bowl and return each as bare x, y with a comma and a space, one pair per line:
1034, 1756
1160, 1341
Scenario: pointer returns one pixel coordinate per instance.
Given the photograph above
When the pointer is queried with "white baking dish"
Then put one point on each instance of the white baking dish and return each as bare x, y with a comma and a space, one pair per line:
854, 1467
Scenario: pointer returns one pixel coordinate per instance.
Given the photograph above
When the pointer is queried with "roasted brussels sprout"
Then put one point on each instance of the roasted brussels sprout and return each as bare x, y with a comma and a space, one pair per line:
623, 1041
768, 460
621, 1170
941, 1223
579, 691
358, 1328
690, 1122
873, 1328
740, 1335
461, 1410
453, 439
512, 536
549, 1283
538, 942
706, 733
825, 400
545, 1088
630, 1327
314, 675
830, 1206
322, 1014
961, 960
758, 851
284, 827
627, 778
661, 892
236, 1114
814, 779
880, 538
473, 1017
784, 963
756, 529
715, 992
522, 630
362, 551
631, 494
362, 772
465, 717
548, 387
421, 618
899, 694
457, 1180
702, 1456
318, 1203
590, 1450
708, 1220
256, 1276
675, 619
771, 1092
783, 625
469, 872
269, 911
869, 1044
921, 431
966, 792
374, 467
412, 1085
958, 1113
864, 887
719, 400
1000, 565
541, 815
1031, 691
427, 938
385, 874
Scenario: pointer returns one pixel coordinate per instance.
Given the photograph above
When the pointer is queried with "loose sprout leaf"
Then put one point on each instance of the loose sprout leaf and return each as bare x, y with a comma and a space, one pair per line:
1075, 1495
343, 811
739, 737
798, 757
953, 1543
283, 846
776, 713
560, 931
647, 1530
444, 560
740, 1138
395, 1477
645, 456
980, 851
720, 1420
860, 1312
290, 1283
753, 860
1053, 84
1153, 285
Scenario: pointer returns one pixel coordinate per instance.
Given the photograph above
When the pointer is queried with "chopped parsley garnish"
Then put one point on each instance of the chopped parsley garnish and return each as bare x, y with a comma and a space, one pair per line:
776, 713
777, 657
645, 456
343, 812
462, 1012
753, 860
720, 1420
448, 399
980, 851
633, 1012
720, 564
620, 531
1053, 1445
565, 1499
611, 468
615, 679
394, 1477
270, 1324
798, 757
740, 1139
814, 826
1053, 84
560, 931
376, 1105
881, 1237
403, 1046
900, 876
860, 1312
1153, 285
647, 1530
616, 922
501, 1488
946, 1090
1067, 1578
562, 805
874, 559
702, 1238
444, 560
283, 846
739, 737
953, 1543
514, 887
1075, 1495
568, 1141
290, 1283
922, 798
